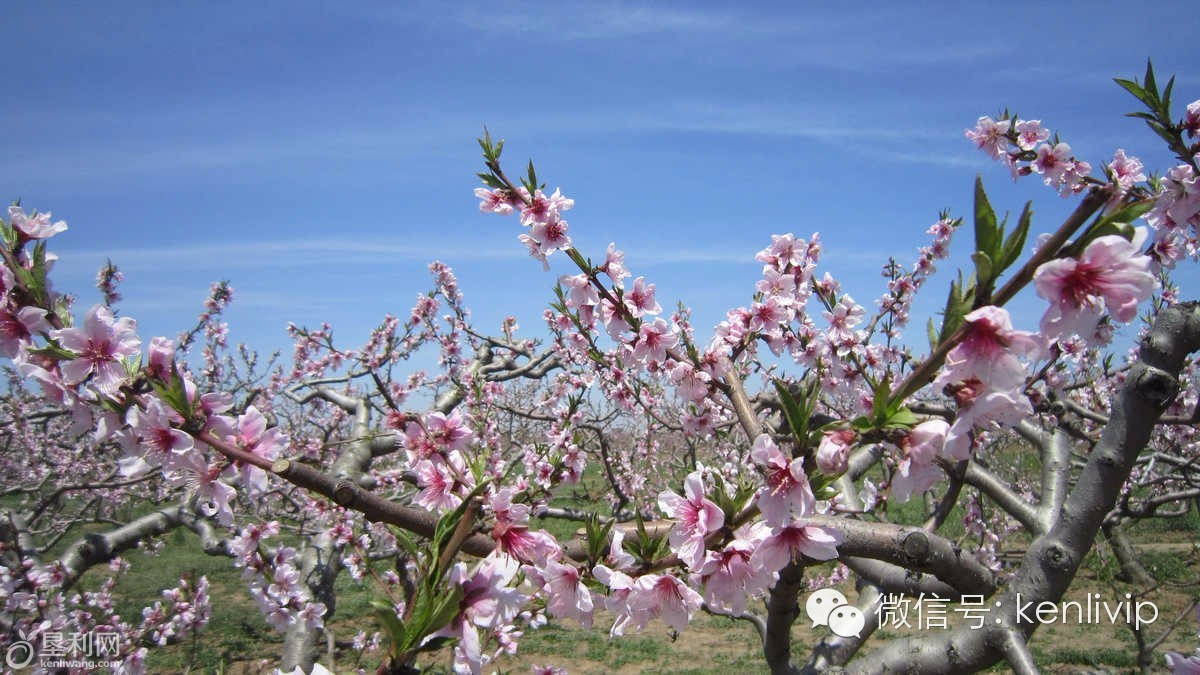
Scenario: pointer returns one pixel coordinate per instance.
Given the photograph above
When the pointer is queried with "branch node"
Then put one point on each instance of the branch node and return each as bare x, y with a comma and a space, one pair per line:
1157, 386
916, 546
1057, 558
343, 493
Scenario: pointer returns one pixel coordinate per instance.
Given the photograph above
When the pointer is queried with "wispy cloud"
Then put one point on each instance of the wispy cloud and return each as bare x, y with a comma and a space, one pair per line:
598, 21
287, 253
330, 253
788, 36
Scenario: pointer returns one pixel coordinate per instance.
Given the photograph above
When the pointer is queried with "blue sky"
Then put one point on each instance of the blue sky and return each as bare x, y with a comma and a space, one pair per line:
319, 156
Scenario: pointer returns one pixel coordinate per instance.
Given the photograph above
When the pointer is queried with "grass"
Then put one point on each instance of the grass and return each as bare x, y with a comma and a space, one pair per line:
238, 640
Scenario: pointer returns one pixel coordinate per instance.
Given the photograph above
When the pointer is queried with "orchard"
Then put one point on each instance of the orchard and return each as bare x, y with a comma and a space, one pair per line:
744, 467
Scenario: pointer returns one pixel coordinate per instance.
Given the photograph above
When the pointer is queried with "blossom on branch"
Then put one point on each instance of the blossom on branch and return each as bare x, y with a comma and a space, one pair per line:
696, 516
1111, 274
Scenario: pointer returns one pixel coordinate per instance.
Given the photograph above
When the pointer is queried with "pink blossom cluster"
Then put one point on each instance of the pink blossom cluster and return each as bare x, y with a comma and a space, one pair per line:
39, 612
1023, 147
275, 582
904, 286
1176, 213
541, 214
436, 446
985, 376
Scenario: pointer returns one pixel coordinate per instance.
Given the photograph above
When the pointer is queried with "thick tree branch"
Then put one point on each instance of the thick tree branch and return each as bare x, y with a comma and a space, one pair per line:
1053, 559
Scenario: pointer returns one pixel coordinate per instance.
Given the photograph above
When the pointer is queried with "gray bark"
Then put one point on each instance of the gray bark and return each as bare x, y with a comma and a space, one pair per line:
100, 547
320, 561
1132, 570
1052, 560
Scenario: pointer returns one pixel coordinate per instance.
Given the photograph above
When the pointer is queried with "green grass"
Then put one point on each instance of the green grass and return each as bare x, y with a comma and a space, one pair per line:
238, 636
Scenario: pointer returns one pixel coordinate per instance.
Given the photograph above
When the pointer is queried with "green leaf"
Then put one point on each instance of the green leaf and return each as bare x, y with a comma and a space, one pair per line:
796, 416
391, 623
445, 610
958, 303
987, 235
1150, 86
881, 398
902, 418
1132, 87
1016, 241
931, 329
490, 180
8, 233
532, 185
983, 267
434, 644
406, 542
54, 351
1132, 212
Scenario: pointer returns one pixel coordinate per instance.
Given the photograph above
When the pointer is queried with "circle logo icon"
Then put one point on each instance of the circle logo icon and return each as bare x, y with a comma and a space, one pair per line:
20, 654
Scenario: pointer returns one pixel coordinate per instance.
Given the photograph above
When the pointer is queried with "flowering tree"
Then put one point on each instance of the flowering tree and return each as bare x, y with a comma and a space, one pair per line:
734, 466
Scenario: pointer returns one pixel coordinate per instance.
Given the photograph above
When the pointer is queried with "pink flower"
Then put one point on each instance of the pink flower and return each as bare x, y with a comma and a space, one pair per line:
488, 602
845, 316
784, 251
990, 136
250, 433
449, 433
1126, 172
162, 358
767, 316
566, 596
1110, 273
777, 285
923, 443
695, 516
614, 266
99, 345
159, 440
436, 434
512, 533
833, 453
690, 384
437, 483
201, 479
1052, 161
641, 298
783, 543
654, 339
916, 472
35, 226
787, 493
730, 579
1191, 120
989, 352
978, 406
665, 596
550, 235
581, 292
494, 201
18, 328
912, 478
1030, 133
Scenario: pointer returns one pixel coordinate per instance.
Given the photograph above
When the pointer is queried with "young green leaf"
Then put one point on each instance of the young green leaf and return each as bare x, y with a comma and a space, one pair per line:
987, 235
796, 415
1016, 241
